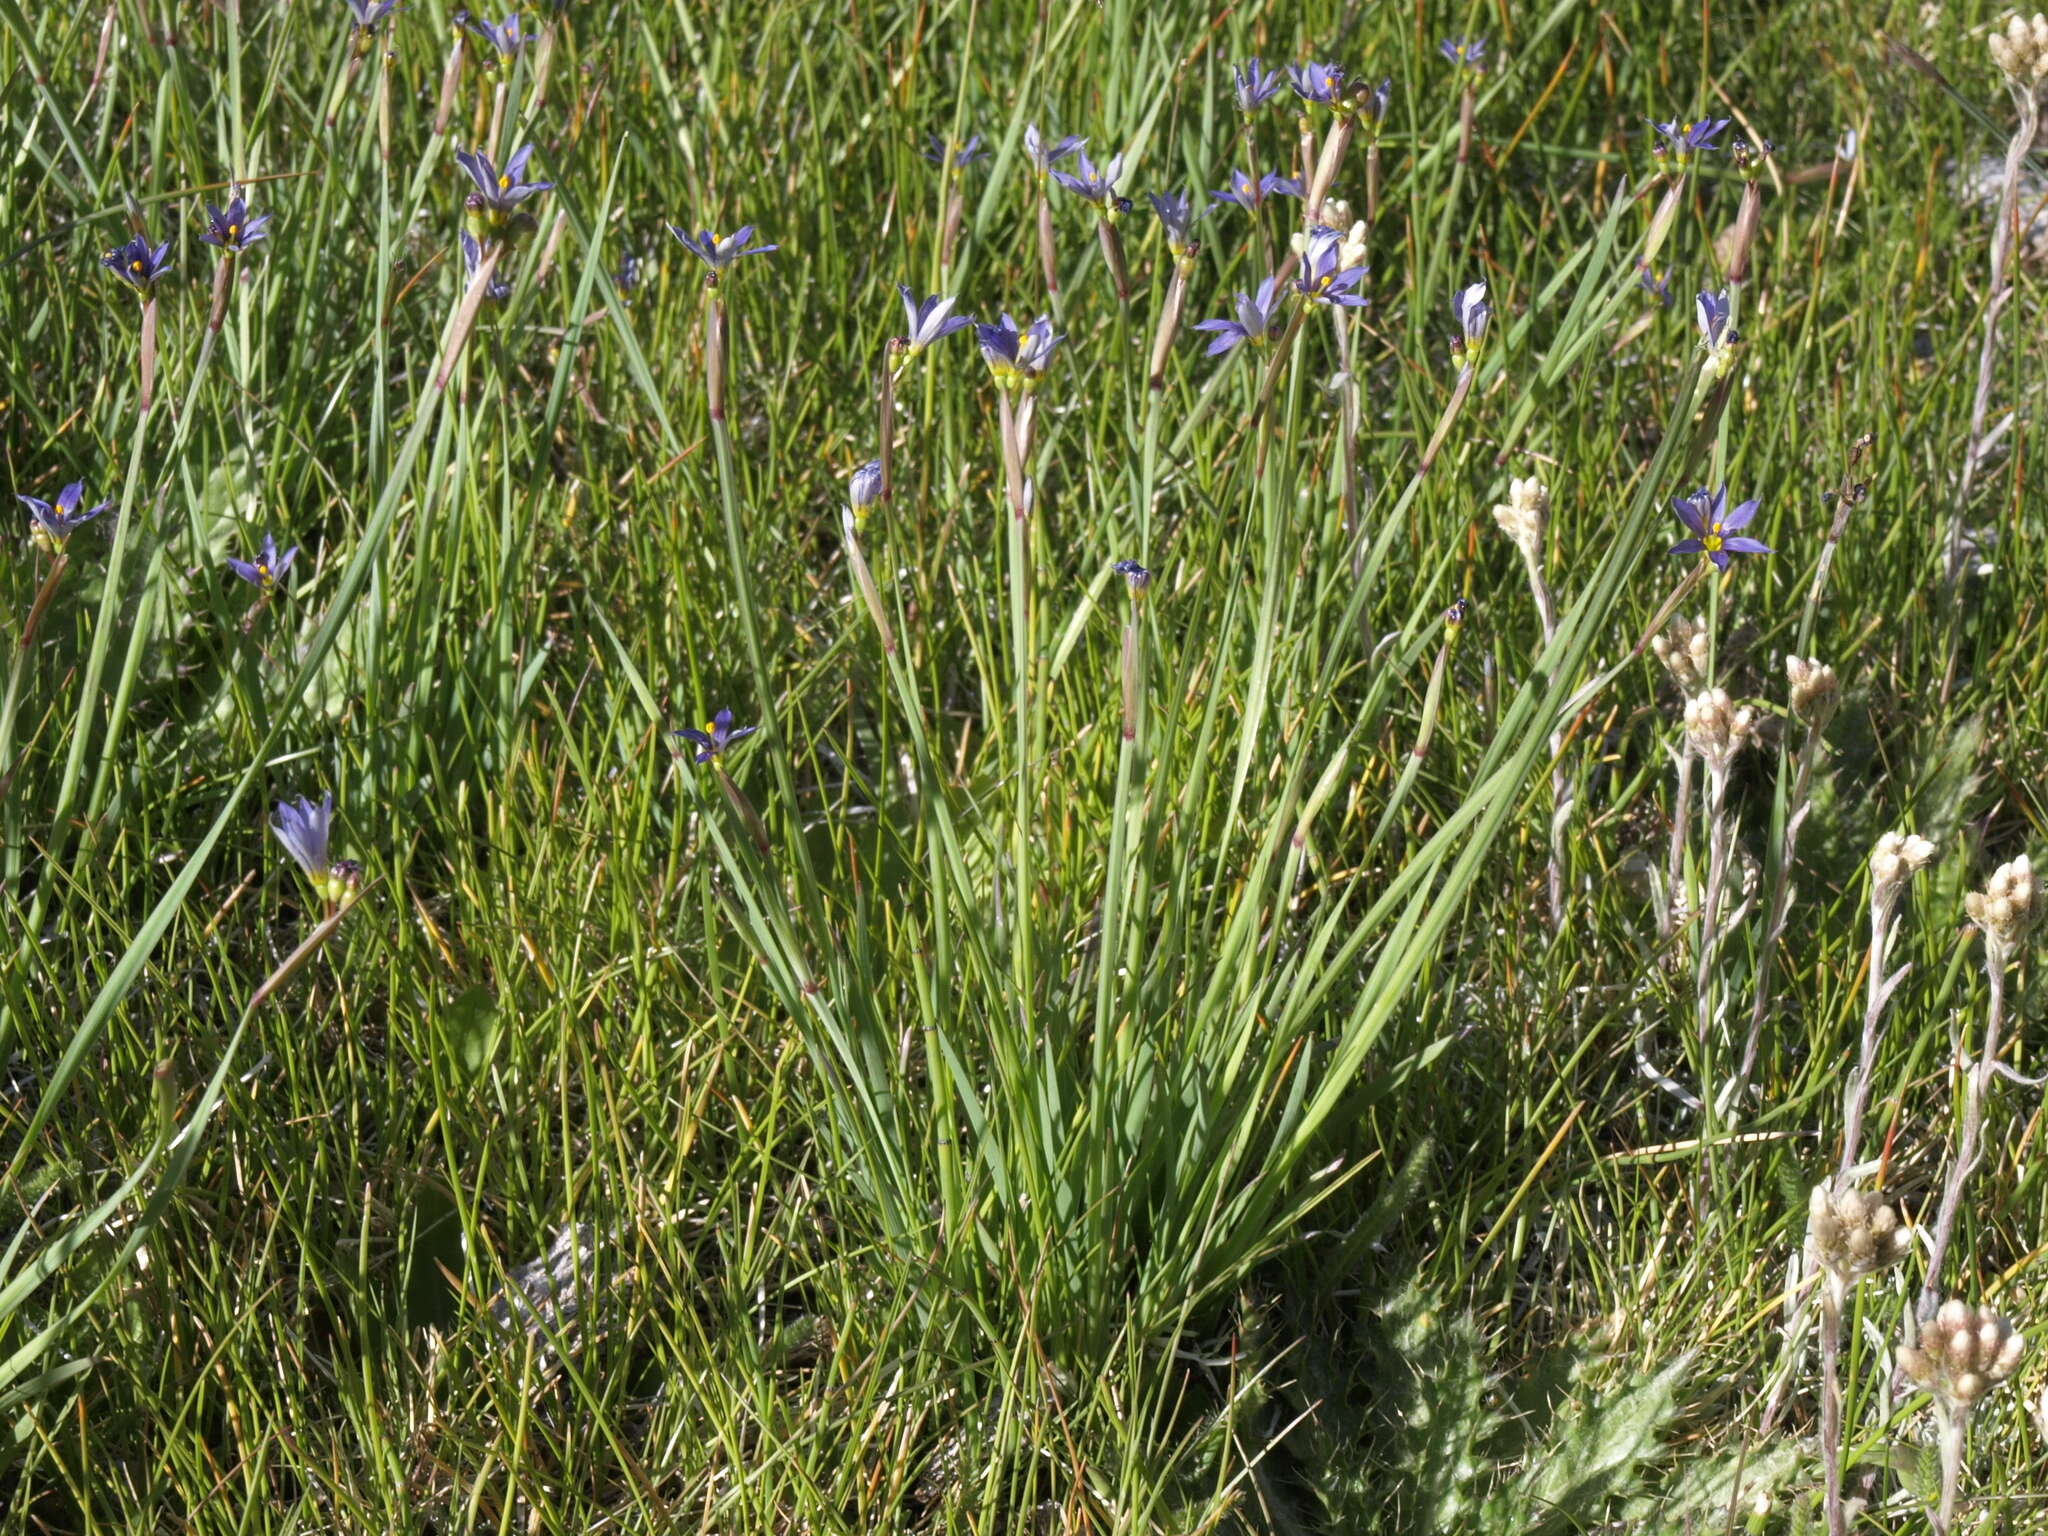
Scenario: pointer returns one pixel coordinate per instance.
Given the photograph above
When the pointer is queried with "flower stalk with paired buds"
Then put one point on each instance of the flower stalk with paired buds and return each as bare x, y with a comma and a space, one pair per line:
2004, 913
1848, 1235
1813, 692
2019, 49
1524, 517
1716, 731
1897, 858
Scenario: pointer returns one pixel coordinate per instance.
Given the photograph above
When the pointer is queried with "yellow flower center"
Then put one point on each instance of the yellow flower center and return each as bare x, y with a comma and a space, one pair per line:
234, 232
504, 182
136, 265
1711, 540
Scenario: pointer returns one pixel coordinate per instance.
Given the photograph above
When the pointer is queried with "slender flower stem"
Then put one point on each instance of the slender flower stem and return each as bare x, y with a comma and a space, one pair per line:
1443, 425
1560, 780
1878, 991
1048, 249
887, 411
1023, 960
1975, 1081
1780, 909
2001, 294
44, 593
1832, 1293
148, 356
1720, 839
949, 234
1681, 839
1950, 1427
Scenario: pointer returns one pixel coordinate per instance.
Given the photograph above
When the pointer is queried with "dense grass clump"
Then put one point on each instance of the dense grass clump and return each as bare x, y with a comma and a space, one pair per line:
650, 886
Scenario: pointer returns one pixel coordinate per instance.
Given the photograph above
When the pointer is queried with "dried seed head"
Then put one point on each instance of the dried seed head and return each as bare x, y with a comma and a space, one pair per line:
1851, 1234
1523, 515
1716, 729
1814, 690
1964, 1352
2004, 910
1682, 648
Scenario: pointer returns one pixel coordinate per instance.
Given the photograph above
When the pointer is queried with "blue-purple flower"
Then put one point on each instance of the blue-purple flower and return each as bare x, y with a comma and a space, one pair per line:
1254, 85
1044, 156
1177, 216
1095, 185
1465, 52
369, 15
234, 229
929, 321
472, 256
1712, 311
507, 36
864, 487
1717, 338
943, 152
1256, 316
1682, 140
499, 193
1470, 306
1322, 84
136, 264
1374, 107
1017, 356
1135, 576
719, 254
268, 568
1713, 527
717, 735
1322, 277
1658, 288
53, 524
304, 828
1251, 192
627, 277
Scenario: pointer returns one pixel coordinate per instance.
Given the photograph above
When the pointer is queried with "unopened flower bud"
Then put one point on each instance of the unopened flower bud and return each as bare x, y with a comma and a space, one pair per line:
1963, 1353
864, 488
1682, 649
1523, 515
2004, 909
1716, 729
2020, 50
1851, 1234
1899, 856
1813, 690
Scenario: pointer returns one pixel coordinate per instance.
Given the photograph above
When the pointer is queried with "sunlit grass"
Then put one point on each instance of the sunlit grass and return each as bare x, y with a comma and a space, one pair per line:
1091, 1058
